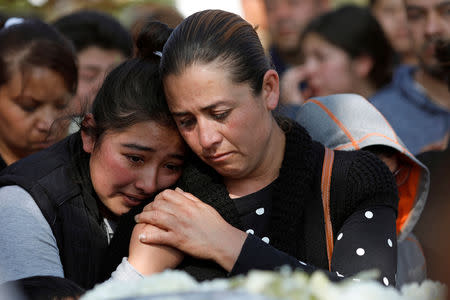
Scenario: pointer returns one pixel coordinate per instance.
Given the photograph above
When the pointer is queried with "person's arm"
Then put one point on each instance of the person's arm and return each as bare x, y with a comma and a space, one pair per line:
366, 241
27, 244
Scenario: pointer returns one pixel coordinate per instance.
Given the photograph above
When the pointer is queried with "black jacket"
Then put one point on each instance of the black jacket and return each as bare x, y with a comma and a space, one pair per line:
58, 180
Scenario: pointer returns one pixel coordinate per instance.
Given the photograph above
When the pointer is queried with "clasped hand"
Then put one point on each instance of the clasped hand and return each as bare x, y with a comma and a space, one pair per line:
182, 223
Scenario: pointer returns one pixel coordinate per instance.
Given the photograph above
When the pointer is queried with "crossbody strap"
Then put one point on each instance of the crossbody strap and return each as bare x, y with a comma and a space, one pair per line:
325, 189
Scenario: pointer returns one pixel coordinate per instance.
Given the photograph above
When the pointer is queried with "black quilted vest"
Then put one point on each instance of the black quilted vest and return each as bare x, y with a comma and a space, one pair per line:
58, 180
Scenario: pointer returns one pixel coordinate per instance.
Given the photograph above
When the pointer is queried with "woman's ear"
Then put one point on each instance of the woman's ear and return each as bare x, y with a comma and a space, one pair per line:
271, 89
363, 64
86, 133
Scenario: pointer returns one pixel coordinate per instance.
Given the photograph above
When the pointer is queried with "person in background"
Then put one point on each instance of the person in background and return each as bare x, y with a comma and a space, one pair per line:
59, 207
417, 102
38, 79
391, 14
255, 180
350, 122
345, 51
101, 43
286, 20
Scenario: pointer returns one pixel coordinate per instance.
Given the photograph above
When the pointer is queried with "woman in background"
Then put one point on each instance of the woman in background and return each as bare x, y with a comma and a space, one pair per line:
38, 78
345, 51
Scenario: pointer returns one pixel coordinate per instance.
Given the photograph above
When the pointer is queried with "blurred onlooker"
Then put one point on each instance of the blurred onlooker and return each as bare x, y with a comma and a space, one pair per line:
286, 20
38, 78
436, 246
417, 103
101, 43
349, 122
345, 51
391, 14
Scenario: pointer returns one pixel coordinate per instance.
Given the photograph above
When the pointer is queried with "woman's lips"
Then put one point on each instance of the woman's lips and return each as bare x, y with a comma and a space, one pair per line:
132, 201
218, 157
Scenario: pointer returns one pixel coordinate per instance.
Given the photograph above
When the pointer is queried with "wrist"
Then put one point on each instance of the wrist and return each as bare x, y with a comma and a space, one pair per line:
227, 253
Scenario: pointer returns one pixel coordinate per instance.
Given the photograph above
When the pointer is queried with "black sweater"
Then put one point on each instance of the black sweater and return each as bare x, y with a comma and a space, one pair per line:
296, 221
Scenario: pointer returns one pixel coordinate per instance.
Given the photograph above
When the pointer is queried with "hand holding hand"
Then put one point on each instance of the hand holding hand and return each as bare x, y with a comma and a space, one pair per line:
182, 221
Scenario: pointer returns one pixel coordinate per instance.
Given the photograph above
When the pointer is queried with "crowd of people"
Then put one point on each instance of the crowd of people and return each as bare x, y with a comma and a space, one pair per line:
128, 151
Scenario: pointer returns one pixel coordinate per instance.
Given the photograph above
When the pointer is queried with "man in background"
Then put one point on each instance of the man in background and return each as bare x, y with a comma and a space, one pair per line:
286, 20
417, 102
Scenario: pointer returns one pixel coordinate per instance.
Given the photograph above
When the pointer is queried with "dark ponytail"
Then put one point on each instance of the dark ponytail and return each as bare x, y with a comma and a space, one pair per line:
151, 40
132, 92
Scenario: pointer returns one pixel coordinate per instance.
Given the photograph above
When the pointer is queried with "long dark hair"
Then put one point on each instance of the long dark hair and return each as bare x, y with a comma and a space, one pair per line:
132, 92
354, 30
215, 35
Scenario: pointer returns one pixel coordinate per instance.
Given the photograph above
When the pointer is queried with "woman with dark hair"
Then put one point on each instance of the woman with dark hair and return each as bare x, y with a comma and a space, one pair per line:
38, 78
251, 198
345, 51
59, 207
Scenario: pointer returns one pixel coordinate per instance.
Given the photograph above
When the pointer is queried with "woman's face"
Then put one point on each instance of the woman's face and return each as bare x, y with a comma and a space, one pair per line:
223, 122
28, 107
391, 14
128, 166
329, 69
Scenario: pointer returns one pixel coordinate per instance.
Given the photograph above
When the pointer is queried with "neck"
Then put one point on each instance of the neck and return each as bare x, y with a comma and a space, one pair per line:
436, 89
268, 168
8, 156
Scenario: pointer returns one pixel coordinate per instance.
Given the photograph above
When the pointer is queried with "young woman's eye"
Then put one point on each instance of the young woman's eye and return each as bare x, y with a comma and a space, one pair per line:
174, 167
134, 159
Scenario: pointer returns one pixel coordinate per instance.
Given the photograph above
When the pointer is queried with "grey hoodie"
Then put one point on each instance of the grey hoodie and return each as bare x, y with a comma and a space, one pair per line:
350, 122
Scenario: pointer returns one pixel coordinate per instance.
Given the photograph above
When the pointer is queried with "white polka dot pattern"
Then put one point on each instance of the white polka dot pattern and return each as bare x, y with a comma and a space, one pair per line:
368, 214
339, 275
302, 262
250, 231
389, 241
340, 236
360, 251
266, 239
386, 281
260, 211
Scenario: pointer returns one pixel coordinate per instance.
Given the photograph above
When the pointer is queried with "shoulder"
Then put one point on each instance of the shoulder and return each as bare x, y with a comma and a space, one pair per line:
366, 181
19, 207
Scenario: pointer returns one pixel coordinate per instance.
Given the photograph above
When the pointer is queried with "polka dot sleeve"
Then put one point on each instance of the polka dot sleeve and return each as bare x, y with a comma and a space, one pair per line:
366, 241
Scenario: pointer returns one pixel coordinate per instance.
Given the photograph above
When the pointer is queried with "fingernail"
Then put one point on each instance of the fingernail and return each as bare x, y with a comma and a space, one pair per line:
142, 237
178, 189
136, 218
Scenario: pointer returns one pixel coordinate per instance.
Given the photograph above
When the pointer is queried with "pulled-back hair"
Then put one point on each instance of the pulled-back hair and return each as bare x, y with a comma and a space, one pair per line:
217, 36
354, 30
88, 28
34, 43
132, 92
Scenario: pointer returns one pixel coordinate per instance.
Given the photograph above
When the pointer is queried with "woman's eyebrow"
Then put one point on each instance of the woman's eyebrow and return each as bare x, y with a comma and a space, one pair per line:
138, 147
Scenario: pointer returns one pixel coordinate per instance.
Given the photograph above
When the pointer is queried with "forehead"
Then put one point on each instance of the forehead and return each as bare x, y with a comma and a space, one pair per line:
97, 56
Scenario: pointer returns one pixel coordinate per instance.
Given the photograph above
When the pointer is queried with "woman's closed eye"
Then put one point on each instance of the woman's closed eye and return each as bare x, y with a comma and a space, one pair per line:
220, 116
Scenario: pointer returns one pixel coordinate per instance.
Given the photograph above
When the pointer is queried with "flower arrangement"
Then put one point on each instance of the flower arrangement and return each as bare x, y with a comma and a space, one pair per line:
286, 284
